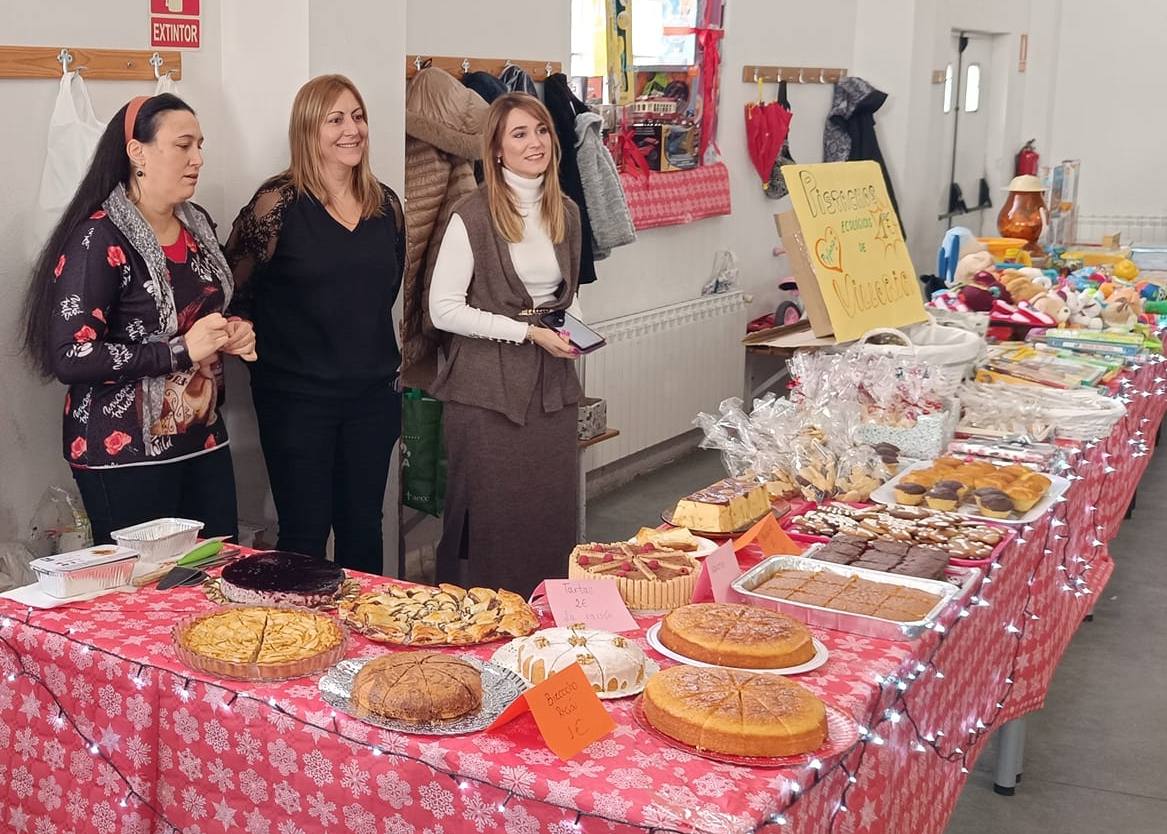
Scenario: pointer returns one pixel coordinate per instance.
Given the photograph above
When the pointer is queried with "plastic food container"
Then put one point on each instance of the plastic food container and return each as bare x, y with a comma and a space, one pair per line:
85, 571
160, 539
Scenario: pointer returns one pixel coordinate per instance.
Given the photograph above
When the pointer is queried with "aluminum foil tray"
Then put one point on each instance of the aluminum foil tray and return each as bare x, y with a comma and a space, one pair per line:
742, 589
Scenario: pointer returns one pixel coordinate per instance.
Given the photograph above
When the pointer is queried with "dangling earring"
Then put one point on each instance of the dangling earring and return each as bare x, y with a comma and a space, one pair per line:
498, 159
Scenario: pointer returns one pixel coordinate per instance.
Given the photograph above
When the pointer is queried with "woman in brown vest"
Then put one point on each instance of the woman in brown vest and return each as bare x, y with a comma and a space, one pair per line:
510, 255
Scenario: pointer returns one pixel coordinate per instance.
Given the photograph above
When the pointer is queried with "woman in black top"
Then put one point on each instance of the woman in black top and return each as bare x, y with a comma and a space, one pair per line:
317, 255
125, 307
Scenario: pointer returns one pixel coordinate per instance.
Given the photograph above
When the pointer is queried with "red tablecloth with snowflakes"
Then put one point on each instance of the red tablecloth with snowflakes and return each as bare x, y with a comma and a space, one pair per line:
105, 731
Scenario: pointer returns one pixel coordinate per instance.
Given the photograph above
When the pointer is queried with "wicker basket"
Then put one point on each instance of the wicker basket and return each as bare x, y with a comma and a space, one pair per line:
949, 353
1075, 414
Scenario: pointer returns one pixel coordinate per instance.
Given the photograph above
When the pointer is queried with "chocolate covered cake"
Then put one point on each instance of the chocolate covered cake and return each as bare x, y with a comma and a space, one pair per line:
277, 577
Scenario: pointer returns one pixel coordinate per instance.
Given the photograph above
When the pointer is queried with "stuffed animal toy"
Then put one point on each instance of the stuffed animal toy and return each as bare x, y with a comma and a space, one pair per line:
1020, 286
1118, 315
980, 293
1089, 310
972, 263
1129, 294
1053, 305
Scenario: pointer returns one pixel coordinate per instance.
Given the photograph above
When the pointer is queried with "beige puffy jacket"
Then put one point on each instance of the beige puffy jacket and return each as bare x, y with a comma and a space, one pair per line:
443, 135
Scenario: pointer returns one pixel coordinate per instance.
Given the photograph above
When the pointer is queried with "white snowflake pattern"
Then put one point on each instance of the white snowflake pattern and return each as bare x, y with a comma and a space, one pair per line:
536, 757
678, 796
360, 821
437, 800
77, 805
221, 776
22, 782
225, 814
655, 815
712, 785
289, 827
26, 743
186, 725
393, 789
288, 798
253, 786
281, 756
103, 818
492, 745
83, 691
627, 778
55, 646
50, 794
583, 770
30, 705
110, 701
518, 821
604, 749
258, 823
138, 712
282, 723
47, 826
478, 811
247, 746
55, 680
70, 306
108, 779
54, 754
353, 778
516, 779
323, 810
135, 824
562, 793
611, 805
474, 766
318, 768
165, 792
190, 765
165, 757
138, 752
194, 802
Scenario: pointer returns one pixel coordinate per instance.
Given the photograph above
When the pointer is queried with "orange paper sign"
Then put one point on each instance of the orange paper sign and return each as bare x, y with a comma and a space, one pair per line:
566, 710
770, 537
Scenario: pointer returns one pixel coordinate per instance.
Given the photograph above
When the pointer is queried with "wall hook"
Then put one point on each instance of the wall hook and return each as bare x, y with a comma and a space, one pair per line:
66, 58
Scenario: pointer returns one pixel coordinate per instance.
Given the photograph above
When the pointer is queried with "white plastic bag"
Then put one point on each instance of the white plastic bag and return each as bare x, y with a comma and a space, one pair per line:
724, 277
166, 84
73, 135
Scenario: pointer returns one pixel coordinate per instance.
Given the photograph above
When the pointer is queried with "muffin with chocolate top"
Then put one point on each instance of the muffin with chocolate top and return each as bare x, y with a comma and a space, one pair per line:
942, 498
995, 504
910, 493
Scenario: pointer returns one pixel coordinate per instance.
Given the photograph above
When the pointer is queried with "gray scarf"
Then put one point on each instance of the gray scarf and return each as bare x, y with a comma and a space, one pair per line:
140, 234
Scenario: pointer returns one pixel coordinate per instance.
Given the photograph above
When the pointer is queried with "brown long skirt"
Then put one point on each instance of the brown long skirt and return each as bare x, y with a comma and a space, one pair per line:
511, 509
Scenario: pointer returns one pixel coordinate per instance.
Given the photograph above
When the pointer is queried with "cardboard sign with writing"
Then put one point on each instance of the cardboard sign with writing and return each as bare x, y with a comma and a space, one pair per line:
769, 536
718, 570
595, 603
566, 711
849, 256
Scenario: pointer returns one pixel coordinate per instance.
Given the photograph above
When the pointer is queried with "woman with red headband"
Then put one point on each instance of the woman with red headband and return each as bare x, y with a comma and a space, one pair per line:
126, 308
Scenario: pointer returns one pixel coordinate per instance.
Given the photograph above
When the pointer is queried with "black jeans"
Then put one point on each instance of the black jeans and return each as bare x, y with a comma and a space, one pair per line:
328, 462
201, 488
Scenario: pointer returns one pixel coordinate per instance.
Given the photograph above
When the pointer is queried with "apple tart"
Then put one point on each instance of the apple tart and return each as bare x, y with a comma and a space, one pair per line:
257, 643
417, 615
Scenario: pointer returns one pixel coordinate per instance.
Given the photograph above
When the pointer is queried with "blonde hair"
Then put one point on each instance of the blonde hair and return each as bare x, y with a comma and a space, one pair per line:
503, 209
312, 105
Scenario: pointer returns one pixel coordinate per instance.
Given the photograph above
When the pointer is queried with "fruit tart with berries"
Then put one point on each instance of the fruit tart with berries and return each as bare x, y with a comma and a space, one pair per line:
649, 577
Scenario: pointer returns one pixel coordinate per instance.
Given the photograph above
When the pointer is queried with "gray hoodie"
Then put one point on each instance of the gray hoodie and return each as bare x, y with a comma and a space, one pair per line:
603, 193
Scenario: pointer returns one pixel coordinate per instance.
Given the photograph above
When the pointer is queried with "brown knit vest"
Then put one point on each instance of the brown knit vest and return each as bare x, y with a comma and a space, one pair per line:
502, 376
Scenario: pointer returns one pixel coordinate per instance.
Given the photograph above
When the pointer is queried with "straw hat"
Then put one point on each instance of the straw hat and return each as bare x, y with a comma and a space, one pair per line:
1026, 182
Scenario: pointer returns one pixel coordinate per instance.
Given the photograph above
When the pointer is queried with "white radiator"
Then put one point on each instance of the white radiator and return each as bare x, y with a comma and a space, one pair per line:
1135, 228
661, 367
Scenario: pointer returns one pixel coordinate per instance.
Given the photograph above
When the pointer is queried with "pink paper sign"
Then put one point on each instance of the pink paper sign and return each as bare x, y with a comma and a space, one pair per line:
595, 603
718, 570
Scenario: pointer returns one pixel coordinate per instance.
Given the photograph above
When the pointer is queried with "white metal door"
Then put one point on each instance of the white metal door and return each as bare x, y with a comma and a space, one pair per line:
966, 131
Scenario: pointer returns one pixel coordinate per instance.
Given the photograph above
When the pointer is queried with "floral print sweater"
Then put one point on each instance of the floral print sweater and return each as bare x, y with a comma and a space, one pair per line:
104, 308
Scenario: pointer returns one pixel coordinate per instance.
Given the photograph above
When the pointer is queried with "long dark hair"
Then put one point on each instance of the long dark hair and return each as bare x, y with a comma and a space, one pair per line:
110, 165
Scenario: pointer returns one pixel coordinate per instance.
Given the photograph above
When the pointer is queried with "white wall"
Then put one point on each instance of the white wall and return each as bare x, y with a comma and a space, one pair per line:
1108, 108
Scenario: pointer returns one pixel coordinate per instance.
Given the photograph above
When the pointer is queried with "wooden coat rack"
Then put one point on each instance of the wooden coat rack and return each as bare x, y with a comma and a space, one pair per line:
753, 73
457, 67
104, 64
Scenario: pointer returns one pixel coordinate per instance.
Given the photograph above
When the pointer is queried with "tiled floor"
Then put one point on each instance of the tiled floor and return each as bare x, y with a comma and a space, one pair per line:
1096, 756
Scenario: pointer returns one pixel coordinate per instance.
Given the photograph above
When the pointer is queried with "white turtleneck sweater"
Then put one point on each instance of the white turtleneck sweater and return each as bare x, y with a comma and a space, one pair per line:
533, 257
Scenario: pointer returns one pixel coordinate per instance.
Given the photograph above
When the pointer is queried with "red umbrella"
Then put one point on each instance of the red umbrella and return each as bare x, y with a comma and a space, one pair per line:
767, 124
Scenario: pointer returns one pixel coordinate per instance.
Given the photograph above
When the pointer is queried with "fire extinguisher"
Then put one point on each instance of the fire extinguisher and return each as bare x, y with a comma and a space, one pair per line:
1027, 159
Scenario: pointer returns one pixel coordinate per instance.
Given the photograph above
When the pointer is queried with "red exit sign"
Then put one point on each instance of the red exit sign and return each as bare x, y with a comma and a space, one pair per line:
175, 24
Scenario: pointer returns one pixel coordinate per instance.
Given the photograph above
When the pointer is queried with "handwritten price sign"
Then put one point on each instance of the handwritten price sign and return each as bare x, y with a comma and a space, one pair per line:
595, 603
566, 711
